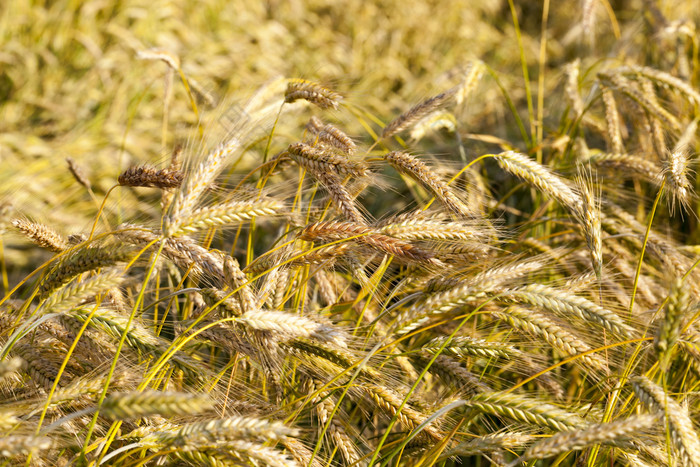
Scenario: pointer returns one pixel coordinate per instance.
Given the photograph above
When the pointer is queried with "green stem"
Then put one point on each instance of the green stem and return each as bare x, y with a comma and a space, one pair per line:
644, 246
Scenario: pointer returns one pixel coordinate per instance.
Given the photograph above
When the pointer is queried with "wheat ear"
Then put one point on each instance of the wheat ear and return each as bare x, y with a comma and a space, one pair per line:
336, 230
539, 176
605, 433
150, 177
520, 408
409, 165
122, 406
669, 330
312, 92
675, 171
41, 235
417, 112
319, 159
678, 421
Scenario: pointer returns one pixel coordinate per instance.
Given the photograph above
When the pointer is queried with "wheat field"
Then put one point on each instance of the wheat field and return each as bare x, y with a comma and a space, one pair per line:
323, 233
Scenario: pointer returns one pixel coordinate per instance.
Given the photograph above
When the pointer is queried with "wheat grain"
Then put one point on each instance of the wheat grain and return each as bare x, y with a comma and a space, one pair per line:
149, 177
165, 56
312, 92
605, 433
488, 443
42, 368
228, 213
572, 93
218, 430
455, 376
201, 178
417, 112
228, 306
685, 439
433, 122
336, 230
324, 408
120, 406
237, 280
9, 366
301, 453
389, 401
528, 410
83, 260
465, 346
553, 333
41, 235
409, 165
340, 196
18, 445
318, 159
627, 164
662, 78
472, 75
675, 171
472, 234
589, 217
565, 303
139, 338
78, 173
293, 326
668, 332
612, 120
74, 293
336, 355
331, 136
657, 132
540, 177
625, 86
182, 251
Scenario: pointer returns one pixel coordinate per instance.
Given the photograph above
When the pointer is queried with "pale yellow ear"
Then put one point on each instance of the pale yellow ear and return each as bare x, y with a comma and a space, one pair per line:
312, 92
419, 111
589, 215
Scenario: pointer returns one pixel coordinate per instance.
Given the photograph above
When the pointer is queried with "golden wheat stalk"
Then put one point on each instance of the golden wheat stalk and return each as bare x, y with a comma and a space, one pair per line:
612, 433
331, 136
669, 330
149, 177
678, 422
525, 409
417, 112
228, 213
540, 177
337, 230
121, 406
568, 304
42, 235
312, 92
409, 165
319, 159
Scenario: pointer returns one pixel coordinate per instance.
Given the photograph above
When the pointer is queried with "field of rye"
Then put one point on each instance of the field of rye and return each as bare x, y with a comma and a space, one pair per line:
318, 233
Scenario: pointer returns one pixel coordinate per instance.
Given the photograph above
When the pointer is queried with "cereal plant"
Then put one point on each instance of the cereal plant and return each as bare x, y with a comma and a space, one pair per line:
371, 259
